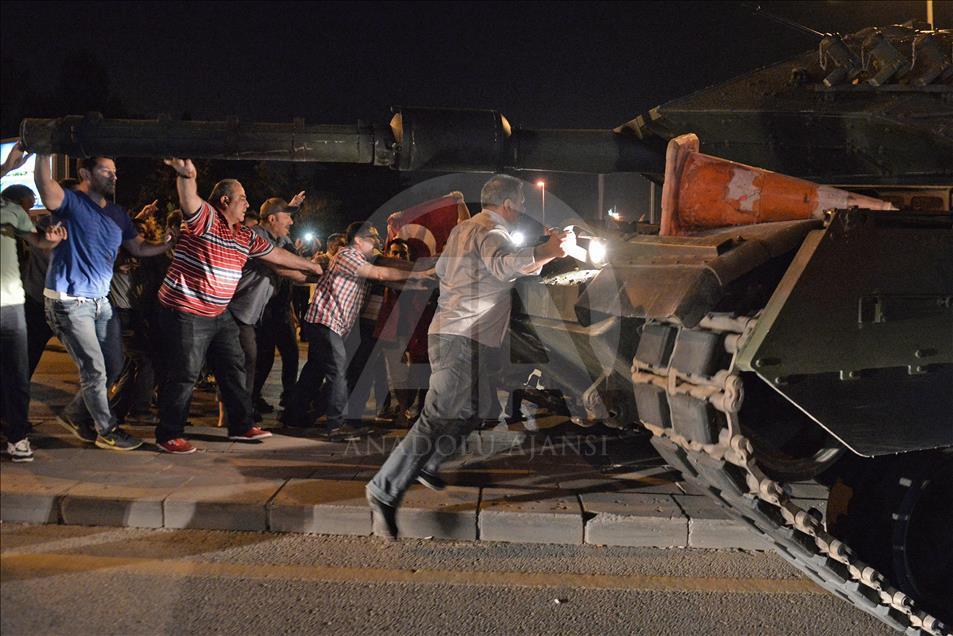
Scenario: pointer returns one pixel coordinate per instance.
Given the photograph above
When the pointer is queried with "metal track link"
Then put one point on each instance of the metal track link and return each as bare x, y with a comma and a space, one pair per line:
728, 472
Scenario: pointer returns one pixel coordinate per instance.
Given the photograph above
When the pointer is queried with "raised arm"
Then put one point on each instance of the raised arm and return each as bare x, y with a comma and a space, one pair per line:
463, 212
14, 160
185, 173
51, 194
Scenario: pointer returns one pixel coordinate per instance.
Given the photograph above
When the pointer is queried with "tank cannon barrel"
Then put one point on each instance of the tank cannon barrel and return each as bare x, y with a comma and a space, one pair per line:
443, 140
84, 136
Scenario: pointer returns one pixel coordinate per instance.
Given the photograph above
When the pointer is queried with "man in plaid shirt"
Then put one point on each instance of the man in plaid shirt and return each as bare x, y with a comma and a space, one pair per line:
337, 302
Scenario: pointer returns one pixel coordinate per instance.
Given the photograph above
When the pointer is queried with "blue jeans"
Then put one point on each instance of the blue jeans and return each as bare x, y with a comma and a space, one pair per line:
14, 372
82, 325
188, 339
452, 409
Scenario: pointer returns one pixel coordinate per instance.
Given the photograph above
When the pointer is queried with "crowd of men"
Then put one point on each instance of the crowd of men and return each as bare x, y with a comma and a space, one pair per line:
153, 310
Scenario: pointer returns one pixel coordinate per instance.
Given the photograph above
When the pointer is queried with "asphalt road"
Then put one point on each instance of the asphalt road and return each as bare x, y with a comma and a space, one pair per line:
79, 580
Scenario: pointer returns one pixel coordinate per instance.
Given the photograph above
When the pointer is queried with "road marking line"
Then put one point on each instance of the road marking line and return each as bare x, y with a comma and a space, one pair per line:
14, 566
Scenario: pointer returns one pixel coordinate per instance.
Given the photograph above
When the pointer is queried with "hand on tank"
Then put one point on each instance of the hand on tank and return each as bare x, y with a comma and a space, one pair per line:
184, 167
559, 243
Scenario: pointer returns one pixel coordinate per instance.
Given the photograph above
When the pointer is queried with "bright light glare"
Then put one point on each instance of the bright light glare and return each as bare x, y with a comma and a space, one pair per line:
597, 252
540, 184
309, 236
614, 215
518, 238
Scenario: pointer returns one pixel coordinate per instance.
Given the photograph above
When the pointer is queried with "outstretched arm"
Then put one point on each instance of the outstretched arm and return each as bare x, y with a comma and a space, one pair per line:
295, 275
142, 248
283, 258
559, 244
376, 272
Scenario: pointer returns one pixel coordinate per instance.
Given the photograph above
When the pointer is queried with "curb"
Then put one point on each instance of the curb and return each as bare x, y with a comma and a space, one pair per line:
338, 507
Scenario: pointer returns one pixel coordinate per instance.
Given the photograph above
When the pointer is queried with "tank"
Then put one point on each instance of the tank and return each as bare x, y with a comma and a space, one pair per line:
787, 326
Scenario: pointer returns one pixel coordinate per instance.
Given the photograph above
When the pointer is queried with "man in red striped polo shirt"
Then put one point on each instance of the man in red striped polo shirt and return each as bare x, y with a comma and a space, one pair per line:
206, 268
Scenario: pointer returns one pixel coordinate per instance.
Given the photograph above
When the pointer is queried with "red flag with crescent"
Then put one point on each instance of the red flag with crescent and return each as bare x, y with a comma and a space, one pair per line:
426, 226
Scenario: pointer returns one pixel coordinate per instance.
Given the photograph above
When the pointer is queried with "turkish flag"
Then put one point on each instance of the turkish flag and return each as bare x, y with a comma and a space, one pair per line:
427, 225
405, 317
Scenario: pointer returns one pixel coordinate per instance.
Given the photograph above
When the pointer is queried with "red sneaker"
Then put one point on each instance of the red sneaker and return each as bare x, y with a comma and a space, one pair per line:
254, 433
177, 446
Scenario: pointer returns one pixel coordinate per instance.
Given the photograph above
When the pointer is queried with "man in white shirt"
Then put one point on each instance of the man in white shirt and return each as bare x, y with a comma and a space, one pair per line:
477, 270
15, 371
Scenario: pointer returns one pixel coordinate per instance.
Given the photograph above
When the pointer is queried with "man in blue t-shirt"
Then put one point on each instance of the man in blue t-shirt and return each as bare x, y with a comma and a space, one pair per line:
77, 284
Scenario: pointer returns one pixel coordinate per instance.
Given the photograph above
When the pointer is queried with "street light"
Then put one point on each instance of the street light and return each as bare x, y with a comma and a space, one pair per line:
542, 186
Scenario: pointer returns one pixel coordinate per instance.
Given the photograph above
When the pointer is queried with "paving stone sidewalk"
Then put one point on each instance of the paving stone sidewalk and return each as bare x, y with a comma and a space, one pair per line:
561, 484
511, 486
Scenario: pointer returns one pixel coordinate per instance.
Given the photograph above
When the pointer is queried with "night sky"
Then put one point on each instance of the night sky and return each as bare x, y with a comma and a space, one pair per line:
544, 65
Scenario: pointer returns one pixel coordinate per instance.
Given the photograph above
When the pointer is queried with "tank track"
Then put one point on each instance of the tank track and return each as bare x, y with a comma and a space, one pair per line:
705, 444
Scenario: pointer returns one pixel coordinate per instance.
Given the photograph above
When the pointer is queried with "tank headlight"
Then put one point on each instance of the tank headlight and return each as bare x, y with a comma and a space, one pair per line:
597, 252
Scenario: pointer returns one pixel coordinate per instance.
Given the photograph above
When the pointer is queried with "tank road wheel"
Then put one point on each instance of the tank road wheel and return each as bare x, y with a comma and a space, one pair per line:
923, 540
897, 514
789, 445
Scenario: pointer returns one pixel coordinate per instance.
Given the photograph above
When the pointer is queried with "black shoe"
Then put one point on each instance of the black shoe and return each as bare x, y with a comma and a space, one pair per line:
292, 420
383, 518
118, 439
83, 431
346, 433
431, 481
263, 407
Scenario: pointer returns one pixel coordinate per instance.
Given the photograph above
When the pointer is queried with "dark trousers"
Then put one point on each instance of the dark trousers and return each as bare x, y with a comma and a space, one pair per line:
276, 330
300, 299
327, 366
132, 391
14, 372
249, 343
366, 371
189, 339
37, 331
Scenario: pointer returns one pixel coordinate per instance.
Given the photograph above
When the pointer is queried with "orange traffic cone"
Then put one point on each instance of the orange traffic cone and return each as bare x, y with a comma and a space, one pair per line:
702, 192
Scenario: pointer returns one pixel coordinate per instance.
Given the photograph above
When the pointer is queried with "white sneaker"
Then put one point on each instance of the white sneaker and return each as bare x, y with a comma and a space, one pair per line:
21, 451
